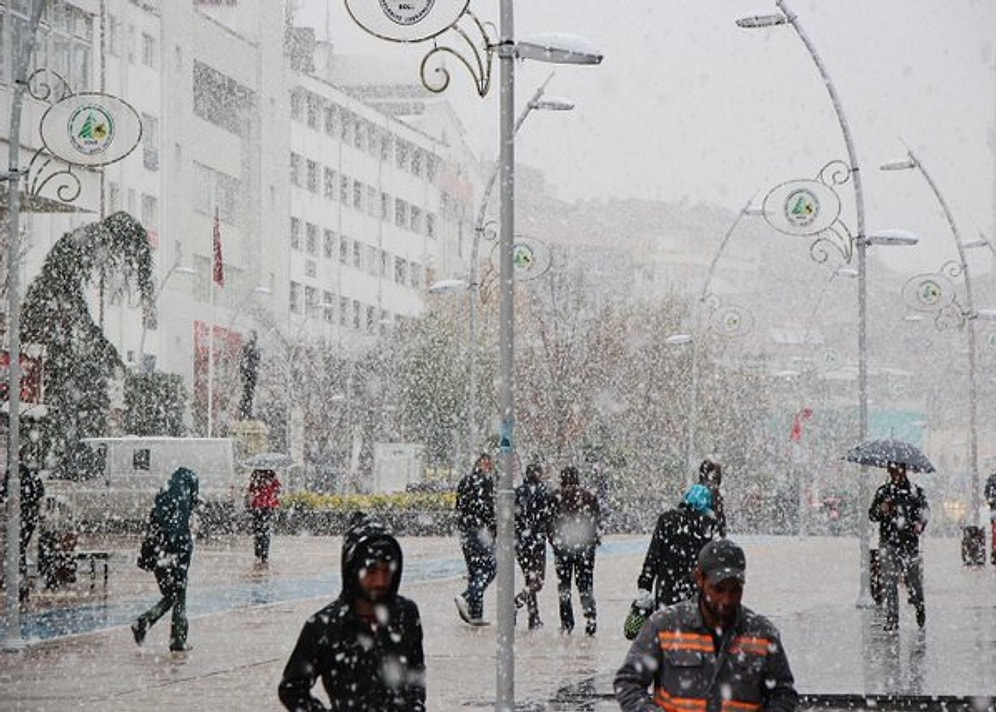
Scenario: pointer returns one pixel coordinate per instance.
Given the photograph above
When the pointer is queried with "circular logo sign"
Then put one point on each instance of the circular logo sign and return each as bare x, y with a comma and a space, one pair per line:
90, 129
406, 12
522, 257
802, 207
929, 292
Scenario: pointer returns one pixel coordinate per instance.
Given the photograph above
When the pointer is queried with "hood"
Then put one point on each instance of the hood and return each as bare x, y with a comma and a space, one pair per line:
366, 535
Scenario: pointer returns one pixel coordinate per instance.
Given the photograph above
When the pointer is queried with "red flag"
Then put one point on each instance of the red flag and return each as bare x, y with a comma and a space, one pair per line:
218, 270
800, 418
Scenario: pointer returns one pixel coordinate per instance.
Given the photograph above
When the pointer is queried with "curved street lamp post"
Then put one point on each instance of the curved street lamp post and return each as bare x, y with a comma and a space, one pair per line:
967, 316
859, 242
429, 21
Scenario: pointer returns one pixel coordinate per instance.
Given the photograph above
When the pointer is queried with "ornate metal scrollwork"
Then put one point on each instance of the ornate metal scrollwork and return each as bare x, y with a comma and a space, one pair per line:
935, 293
49, 86
436, 77
725, 319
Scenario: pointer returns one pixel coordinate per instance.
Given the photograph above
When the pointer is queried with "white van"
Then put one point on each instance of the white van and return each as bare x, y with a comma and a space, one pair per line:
118, 489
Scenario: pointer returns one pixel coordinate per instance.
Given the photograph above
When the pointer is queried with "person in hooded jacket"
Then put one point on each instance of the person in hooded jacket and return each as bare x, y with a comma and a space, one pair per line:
365, 646
532, 525
475, 507
169, 525
574, 534
674, 548
711, 475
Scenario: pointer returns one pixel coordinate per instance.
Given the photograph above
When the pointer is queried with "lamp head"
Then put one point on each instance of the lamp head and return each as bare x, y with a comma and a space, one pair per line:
558, 48
755, 21
904, 165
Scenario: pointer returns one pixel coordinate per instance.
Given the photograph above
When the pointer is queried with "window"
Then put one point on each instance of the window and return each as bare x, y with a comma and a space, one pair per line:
371, 319
400, 213
357, 309
310, 299
150, 142
310, 269
150, 212
296, 162
295, 233
358, 195
330, 184
400, 270
311, 239
386, 145
312, 176
418, 278
371, 202
330, 120
417, 162
113, 33
357, 255
296, 104
416, 222
344, 250
343, 310
150, 51
141, 459
221, 100
344, 190
372, 260
430, 225
114, 197
328, 244
295, 297
360, 134
401, 154
328, 306
314, 110
385, 206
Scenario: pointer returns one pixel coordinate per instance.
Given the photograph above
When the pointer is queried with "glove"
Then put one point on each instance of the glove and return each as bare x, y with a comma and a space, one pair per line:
644, 599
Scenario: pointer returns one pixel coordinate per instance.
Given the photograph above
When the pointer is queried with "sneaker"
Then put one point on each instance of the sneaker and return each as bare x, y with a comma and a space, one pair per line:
185, 648
921, 616
891, 625
463, 608
535, 623
138, 632
590, 628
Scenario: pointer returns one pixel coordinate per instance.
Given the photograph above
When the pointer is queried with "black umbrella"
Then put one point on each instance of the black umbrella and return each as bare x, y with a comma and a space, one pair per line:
879, 453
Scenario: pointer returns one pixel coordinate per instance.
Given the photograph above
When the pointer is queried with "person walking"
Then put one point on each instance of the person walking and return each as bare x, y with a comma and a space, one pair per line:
167, 552
574, 534
32, 490
674, 547
711, 475
990, 494
532, 527
710, 651
475, 507
365, 646
902, 513
264, 500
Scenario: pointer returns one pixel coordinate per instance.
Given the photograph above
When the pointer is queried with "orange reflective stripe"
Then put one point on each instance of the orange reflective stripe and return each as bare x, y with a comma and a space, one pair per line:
756, 646
734, 706
678, 704
670, 640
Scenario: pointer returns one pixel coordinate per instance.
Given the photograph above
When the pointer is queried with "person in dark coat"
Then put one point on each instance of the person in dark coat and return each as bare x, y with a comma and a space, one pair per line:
365, 646
574, 534
32, 491
711, 475
532, 527
169, 526
264, 499
990, 494
902, 512
678, 537
475, 506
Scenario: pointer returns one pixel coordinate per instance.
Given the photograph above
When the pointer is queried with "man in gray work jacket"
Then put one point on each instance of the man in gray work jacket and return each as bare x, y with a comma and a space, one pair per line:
709, 652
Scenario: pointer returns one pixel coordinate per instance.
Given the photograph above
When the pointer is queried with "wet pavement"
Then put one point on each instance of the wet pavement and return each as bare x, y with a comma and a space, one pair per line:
245, 620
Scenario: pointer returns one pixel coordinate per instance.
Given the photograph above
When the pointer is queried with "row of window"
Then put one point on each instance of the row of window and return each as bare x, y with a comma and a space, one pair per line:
320, 114
306, 173
64, 41
352, 253
351, 313
121, 41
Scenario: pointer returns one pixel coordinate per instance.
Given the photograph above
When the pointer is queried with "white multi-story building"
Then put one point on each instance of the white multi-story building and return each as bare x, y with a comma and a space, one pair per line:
333, 216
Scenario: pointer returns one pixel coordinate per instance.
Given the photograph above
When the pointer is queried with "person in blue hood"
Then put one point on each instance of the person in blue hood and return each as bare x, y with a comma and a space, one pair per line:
366, 646
172, 546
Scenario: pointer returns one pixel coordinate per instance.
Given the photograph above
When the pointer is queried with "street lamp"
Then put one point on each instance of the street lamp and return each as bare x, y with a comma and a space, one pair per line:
861, 242
175, 269
970, 314
696, 337
536, 101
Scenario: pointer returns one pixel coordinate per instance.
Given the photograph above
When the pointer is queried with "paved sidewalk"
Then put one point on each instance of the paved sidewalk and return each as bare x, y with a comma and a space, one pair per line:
245, 622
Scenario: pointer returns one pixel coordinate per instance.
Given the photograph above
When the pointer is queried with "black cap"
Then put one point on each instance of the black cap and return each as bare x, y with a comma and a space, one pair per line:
721, 560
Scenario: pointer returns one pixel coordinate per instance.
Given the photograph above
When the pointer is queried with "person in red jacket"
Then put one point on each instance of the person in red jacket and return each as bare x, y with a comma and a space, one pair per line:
264, 499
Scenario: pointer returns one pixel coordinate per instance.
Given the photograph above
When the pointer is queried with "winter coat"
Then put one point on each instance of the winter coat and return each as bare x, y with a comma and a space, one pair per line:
362, 668
901, 528
169, 520
475, 504
990, 491
574, 519
674, 548
675, 654
264, 490
532, 515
